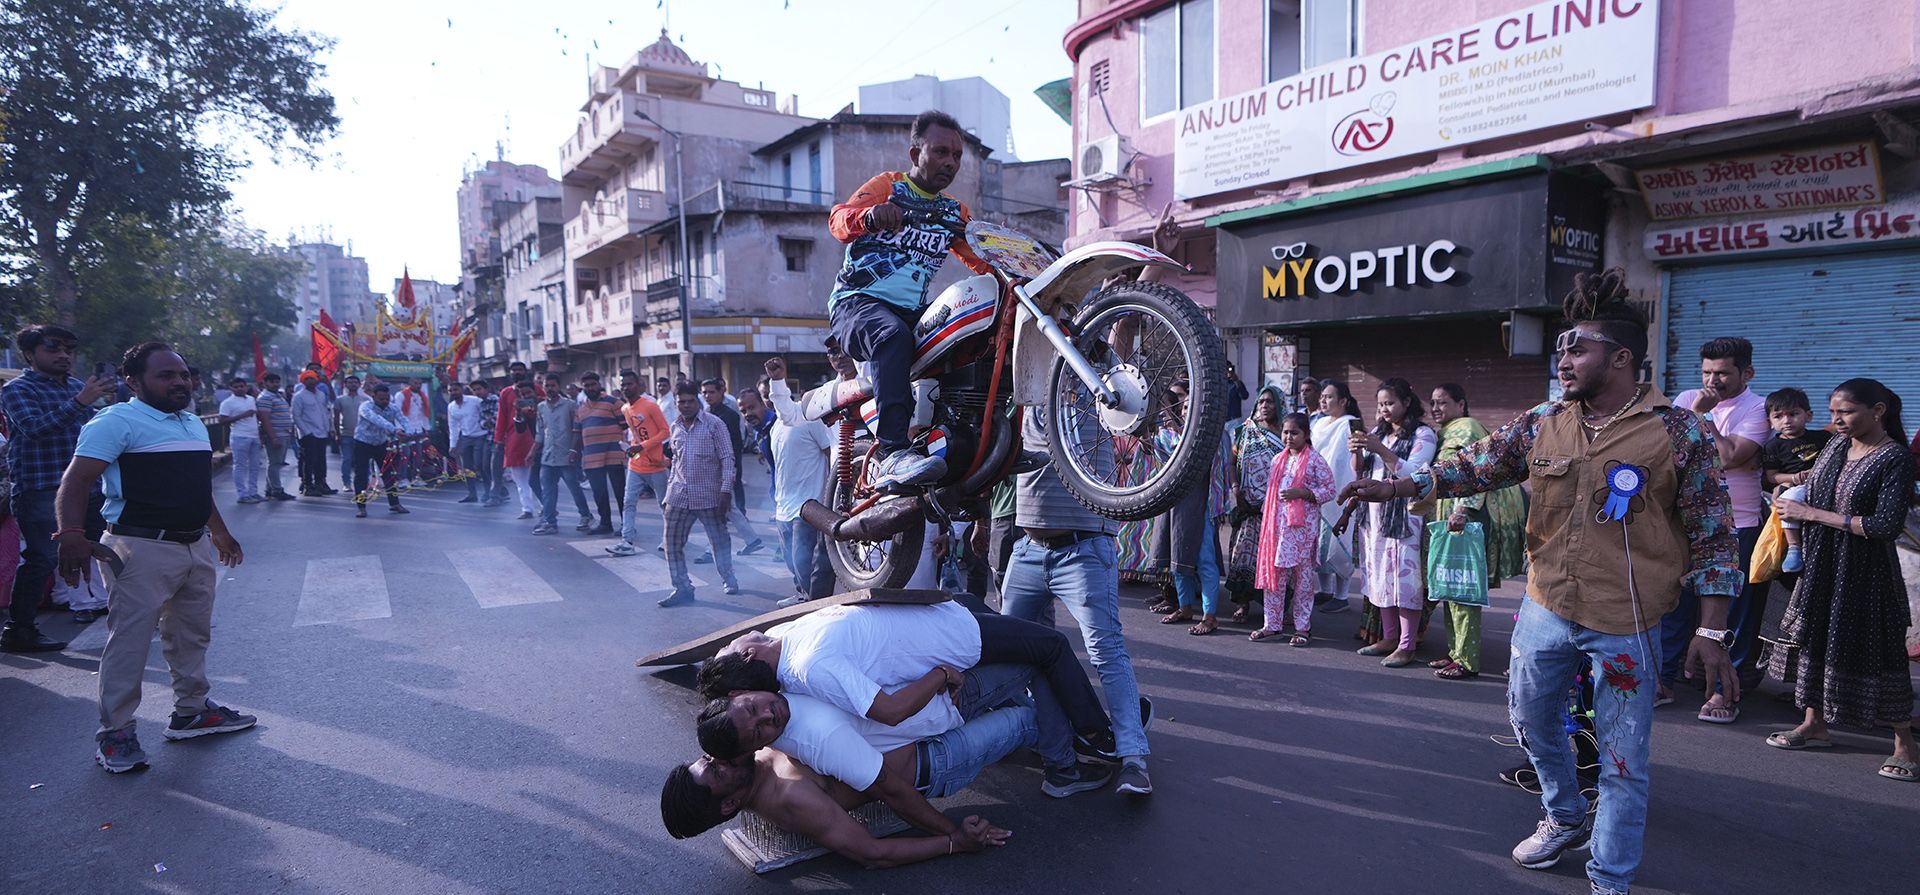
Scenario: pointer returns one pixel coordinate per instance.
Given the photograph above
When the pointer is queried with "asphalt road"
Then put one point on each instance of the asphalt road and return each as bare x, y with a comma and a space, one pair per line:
422, 730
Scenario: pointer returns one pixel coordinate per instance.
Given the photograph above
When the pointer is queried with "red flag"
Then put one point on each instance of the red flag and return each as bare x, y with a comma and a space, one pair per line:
326, 352
259, 360
326, 323
404, 296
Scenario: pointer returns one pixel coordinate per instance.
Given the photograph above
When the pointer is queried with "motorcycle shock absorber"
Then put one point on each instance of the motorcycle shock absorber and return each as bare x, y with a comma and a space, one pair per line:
843, 467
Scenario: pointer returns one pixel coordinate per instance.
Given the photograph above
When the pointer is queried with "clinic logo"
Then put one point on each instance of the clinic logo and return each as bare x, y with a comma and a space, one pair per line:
1367, 130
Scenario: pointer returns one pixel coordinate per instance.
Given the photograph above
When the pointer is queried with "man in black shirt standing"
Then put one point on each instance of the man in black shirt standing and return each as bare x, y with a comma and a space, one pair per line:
152, 456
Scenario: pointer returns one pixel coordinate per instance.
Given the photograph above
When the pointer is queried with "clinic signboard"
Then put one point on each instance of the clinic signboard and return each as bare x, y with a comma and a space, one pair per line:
1549, 64
1502, 245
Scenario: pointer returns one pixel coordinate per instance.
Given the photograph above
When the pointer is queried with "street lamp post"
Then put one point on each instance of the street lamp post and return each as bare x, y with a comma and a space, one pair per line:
686, 260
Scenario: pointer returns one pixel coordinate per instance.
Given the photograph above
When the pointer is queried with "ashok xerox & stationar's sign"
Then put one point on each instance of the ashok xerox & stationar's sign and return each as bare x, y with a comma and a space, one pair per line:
1507, 244
1548, 64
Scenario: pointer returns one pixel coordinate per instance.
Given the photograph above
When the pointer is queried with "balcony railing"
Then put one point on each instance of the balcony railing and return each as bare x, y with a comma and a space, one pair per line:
749, 196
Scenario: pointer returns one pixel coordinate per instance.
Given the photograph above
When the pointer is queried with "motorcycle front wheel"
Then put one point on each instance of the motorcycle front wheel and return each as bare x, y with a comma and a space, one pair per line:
888, 563
1135, 459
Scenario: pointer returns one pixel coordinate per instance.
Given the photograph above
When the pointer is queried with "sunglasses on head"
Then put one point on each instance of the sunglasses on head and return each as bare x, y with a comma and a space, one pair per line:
1566, 340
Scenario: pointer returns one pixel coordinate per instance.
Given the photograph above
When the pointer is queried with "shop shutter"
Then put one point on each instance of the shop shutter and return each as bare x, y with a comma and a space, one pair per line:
1814, 322
1466, 351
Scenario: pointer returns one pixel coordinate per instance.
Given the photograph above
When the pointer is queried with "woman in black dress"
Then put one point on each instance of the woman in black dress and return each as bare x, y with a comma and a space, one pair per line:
1849, 611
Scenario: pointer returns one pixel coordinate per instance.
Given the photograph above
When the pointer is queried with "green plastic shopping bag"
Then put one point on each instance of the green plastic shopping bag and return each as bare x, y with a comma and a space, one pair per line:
1457, 564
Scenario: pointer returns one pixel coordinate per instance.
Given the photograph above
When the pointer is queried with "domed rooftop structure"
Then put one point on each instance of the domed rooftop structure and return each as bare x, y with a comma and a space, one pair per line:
665, 55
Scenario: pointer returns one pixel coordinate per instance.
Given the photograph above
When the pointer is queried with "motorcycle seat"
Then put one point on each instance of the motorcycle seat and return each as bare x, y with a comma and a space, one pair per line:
830, 400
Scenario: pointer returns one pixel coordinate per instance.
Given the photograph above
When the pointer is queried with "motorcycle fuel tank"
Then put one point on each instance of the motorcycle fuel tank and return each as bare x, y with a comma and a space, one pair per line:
963, 310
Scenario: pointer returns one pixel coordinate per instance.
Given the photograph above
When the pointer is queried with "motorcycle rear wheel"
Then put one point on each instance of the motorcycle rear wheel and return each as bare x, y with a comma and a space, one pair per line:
1152, 336
861, 564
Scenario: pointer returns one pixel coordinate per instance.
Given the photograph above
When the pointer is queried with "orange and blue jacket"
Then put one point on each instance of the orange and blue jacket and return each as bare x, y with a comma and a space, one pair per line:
897, 267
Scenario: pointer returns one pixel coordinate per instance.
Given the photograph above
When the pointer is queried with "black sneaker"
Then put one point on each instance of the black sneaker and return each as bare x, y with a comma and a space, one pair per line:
20, 637
1083, 776
678, 598
1101, 745
1133, 778
753, 548
602, 530
119, 751
212, 719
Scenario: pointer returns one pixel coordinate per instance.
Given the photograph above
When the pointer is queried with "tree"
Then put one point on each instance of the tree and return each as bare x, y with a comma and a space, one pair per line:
106, 110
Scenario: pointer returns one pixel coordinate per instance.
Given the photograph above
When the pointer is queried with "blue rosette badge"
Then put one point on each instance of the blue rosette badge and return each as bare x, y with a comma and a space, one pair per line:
1623, 485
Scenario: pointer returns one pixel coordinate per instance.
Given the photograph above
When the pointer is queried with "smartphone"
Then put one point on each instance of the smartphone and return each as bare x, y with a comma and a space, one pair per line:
1357, 426
102, 369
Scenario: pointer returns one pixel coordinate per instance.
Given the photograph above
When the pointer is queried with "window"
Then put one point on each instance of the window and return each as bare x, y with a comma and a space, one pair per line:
796, 251
1304, 34
1176, 57
813, 170
786, 176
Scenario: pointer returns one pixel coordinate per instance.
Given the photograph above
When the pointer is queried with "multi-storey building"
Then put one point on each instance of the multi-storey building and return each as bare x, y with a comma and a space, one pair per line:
1374, 188
488, 198
620, 180
334, 281
980, 106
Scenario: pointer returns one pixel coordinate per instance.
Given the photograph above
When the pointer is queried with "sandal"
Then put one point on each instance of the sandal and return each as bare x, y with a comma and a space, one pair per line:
1438, 664
1903, 771
1263, 634
1665, 697
1177, 616
1299, 640
1714, 712
1456, 672
1240, 616
1204, 628
1794, 741
1163, 608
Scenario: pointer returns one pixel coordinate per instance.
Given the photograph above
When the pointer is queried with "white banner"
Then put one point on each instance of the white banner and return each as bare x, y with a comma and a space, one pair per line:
1549, 64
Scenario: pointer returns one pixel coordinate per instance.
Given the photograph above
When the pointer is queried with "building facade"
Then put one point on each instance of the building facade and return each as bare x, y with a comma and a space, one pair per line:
335, 281
1375, 188
489, 198
980, 106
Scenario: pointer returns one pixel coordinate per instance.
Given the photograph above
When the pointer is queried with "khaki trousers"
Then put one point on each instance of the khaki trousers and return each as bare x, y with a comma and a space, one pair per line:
164, 585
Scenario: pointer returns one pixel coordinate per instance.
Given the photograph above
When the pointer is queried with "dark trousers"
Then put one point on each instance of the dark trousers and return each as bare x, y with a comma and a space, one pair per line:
823, 583
473, 458
552, 477
313, 464
609, 485
1008, 640
535, 479
1000, 541
368, 458
1745, 613
34, 510
882, 334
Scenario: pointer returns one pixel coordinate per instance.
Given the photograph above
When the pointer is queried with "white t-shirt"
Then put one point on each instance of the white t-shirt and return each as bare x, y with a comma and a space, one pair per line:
463, 417
246, 426
845, 655
824, 738
1745, 416
801, 448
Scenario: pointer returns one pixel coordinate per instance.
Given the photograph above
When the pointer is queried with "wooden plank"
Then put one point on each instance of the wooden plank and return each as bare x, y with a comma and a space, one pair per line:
705, 647
764, 848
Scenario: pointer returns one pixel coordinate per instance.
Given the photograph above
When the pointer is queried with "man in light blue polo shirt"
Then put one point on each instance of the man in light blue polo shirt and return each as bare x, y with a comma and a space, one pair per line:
153, 457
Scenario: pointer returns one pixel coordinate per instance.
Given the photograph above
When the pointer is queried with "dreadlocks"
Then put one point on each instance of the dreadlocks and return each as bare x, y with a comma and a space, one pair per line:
1601, 299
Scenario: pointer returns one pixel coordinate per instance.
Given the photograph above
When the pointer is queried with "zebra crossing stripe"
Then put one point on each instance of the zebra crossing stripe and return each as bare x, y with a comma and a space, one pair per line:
343, 589
499, 578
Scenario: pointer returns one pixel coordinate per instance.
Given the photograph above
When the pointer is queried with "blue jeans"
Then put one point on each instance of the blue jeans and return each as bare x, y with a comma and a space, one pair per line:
1207, 582
1086, 577
877, 331
550, 478
1548, 653
1745, 614
246, 466
346, 462
629, 513
952, 760
473, 458
1001, 684
799, 541
35, 512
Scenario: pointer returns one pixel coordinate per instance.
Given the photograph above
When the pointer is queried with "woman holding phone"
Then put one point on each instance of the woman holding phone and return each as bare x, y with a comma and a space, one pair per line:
1399, 443
1337, 424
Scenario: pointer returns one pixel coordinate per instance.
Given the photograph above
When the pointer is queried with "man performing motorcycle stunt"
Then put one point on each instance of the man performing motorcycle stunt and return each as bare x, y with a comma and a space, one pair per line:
884, 280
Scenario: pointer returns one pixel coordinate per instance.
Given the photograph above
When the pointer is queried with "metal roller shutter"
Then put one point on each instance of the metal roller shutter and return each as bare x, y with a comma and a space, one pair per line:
1814, 322
1427, 353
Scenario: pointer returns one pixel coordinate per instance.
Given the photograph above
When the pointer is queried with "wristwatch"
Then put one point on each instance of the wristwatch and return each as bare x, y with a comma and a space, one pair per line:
1724, 638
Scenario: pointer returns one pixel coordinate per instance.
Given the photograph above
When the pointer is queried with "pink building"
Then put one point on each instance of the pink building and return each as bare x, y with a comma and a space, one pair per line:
1373, 188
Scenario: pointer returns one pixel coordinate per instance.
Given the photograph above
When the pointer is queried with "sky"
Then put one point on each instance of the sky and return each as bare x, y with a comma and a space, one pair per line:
427, 89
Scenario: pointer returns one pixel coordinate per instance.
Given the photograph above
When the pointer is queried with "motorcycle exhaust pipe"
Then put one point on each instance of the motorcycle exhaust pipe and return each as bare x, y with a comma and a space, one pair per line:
879, 523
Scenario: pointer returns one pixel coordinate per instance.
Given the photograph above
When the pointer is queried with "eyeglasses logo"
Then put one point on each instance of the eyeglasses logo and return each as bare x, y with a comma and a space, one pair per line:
1301, 274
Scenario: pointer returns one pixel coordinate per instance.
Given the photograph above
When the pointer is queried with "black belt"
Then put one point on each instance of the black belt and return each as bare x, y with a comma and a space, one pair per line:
923, 777
157, 534
1066, 540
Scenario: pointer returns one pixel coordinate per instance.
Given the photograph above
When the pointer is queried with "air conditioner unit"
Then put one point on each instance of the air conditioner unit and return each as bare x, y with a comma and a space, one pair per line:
1104, 160
490, 347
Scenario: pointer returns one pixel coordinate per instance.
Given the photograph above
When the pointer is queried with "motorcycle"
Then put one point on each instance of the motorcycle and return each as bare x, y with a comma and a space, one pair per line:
1046, 332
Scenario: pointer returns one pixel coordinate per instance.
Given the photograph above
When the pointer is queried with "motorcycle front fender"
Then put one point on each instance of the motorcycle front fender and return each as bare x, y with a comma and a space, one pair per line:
1079, 272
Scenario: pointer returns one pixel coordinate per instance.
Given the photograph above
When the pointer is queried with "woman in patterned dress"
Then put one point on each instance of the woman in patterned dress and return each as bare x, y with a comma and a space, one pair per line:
1849, 610
1255, 444
1399, 443
1138, 458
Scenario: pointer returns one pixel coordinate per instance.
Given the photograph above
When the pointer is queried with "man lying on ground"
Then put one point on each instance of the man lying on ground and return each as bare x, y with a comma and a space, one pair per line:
795, 797
901, 666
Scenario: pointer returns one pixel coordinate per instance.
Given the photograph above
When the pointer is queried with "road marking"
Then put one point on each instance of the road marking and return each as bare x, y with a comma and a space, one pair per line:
499, 578
646, 574
343, 589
